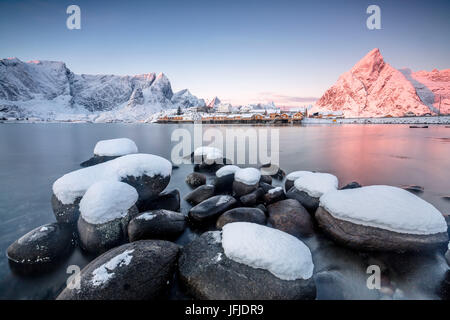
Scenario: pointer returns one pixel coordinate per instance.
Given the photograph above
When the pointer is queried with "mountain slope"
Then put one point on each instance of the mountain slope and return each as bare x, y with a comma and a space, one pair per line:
372, 88
49, 90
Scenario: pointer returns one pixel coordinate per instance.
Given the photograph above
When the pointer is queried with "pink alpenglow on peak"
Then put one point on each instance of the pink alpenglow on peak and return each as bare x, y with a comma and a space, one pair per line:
373, 88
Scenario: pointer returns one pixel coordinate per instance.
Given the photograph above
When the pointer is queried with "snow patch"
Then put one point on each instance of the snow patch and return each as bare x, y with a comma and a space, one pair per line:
260, 247
248, 176
105, 201
115, 147
296, 174
384, 207
208, 153
272, 191
222, 200
217, 236
315, 184
104, 273
147, 216
226, 170
74, 184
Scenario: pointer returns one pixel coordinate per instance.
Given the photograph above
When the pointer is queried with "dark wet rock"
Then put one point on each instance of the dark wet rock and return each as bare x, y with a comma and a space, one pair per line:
209, 168
351, 185
169, 200
98, 238
262, 208
96, 160
272, 170
252, 198
288, 184
40, 248
254, 215
446, 198
158, 224
174, 166
200, 194
274, 195
207, 273
195, 179
241, 189
211, 208
66, 213
139, 270
371, 238
310, 203
290, 216
148, 188
414, 189
266, 187
266, 179
224, 183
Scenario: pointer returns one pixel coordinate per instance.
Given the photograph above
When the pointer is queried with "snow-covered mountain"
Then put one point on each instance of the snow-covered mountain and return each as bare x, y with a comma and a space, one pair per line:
373, 88
49, 90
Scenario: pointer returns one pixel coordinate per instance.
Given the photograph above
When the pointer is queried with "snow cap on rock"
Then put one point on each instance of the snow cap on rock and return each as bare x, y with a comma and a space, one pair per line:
315, 184
262, 247
115, 147
248, 176
105, 201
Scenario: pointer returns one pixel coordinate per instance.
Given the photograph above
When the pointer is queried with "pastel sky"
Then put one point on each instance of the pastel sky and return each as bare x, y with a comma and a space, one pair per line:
242, 51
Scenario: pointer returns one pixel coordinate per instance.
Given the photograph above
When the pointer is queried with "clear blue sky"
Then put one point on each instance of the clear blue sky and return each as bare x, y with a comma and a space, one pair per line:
242, 51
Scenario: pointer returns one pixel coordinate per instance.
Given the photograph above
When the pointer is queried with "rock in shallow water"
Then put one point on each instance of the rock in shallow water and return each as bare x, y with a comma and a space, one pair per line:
97, 160
200, 194
106, 150
381, 218
211, 208
106, 209
40, 248
157, 224
139, 270
254, 215
207, 273
245, 181
252, 198
291, 217
195, 179
148, 174
169, 200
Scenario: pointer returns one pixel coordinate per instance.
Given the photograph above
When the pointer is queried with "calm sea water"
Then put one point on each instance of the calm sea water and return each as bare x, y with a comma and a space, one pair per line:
33, 156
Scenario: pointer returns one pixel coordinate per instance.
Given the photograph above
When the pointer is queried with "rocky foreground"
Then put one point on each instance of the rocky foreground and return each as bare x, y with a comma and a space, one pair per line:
262, 234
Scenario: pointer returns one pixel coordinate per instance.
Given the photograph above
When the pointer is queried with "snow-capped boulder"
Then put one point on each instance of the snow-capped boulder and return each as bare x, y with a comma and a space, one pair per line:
291, 217
291, 177
254, 215
157, 224
211, 208
200, 194
245, 181
148, 174
310, 187
106, 150
169, 200
41, 248
139, 270
195, 179
208, 155
225, 177
243, 262
105, 211
381, 218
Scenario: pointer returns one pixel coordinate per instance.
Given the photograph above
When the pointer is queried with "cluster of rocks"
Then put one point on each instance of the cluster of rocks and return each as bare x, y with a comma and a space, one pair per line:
118, 209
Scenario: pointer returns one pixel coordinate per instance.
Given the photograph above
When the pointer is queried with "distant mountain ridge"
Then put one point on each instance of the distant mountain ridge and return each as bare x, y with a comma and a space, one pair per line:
48, 88
373, 88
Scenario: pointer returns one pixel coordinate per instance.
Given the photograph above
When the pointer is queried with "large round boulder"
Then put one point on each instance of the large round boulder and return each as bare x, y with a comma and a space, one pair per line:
106, 208
157, 224
245, 181
106, 150
247, 261
291, 217
211, 208
200, 194
139, 270
254, 215
148, 174
40, 248
310, 187
291, 177
381, 218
